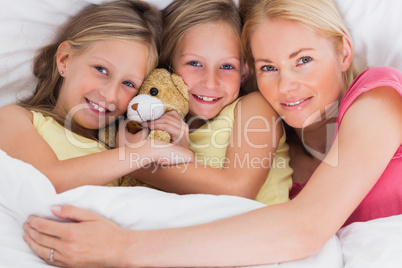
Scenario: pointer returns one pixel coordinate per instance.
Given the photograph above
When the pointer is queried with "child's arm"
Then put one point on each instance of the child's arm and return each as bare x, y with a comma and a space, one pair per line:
19, 139
255, 136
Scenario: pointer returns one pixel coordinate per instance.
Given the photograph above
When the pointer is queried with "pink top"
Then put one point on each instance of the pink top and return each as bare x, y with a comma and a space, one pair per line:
385, 198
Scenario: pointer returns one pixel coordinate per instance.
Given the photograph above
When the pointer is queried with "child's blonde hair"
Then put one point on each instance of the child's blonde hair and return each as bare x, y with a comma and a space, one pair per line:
320, 15
182, 15
129, 20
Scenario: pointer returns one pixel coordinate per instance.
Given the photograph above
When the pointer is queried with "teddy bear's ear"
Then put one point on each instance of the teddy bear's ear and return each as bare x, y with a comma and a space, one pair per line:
181, 86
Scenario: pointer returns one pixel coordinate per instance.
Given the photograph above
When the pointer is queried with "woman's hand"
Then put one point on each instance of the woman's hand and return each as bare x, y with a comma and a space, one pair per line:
174, 125
88, 240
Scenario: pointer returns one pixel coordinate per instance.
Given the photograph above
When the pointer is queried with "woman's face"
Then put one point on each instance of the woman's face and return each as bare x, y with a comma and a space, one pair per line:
210, 62
99, 83
298, 71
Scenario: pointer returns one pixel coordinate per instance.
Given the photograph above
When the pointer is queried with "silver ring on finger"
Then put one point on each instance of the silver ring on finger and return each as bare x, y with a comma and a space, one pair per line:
51, 258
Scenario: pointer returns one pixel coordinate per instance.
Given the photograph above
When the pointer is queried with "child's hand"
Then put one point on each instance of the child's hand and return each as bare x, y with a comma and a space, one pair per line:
125, 137
174, 125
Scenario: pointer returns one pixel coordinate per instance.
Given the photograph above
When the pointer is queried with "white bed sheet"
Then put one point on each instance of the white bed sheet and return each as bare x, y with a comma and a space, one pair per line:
25, 191
373, 244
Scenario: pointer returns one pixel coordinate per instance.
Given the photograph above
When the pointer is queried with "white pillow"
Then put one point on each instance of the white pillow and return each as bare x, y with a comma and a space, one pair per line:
375, 26
27, 25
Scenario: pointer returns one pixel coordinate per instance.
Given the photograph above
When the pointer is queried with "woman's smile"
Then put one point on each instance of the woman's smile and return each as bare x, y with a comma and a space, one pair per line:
296, 104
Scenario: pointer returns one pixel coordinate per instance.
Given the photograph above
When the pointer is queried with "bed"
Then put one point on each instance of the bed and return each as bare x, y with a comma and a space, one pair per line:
26, 25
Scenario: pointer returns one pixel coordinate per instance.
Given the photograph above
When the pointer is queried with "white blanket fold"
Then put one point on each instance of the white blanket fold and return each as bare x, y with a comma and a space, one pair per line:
25, 191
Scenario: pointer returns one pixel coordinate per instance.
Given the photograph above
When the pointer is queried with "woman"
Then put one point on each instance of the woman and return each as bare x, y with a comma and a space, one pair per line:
302, 55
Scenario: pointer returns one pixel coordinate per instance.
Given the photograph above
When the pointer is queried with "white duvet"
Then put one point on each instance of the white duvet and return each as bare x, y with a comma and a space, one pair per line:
25, 191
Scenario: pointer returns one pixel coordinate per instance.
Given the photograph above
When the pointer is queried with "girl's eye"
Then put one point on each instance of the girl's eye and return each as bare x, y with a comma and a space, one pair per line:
304, 60
194, 63
268, 68
129, 84
227, 67
101, 69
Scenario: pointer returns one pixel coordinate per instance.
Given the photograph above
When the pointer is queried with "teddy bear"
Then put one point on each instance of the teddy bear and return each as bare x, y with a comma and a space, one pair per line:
160, 92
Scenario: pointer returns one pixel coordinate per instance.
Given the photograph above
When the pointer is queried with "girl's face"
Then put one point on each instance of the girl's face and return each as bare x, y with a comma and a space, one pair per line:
210, 62
298, 71
99, 83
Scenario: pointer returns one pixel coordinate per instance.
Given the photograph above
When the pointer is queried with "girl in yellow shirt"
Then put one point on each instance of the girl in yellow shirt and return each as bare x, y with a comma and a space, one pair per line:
239, 143
85, 80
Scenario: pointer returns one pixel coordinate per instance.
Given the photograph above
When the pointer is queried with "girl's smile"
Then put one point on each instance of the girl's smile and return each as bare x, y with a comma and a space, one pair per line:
97, 108
206, 100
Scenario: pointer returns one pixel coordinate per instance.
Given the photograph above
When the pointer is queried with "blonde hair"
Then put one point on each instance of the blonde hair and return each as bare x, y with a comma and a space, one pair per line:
320, 15
182, 15
129, 20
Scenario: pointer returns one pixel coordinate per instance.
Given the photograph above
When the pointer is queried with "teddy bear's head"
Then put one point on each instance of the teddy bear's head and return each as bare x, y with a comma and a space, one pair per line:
161, 91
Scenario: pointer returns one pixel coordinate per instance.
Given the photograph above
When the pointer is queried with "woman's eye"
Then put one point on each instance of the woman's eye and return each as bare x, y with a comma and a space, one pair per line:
129, 84
304, 60
194, 63
227, 67
101, 69
268, 68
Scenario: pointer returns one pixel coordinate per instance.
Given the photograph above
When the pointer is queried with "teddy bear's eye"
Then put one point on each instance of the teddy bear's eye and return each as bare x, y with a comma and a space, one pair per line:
154, 91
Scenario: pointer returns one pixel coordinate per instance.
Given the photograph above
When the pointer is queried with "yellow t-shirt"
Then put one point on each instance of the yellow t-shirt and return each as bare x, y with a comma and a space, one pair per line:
63, 142
209, 144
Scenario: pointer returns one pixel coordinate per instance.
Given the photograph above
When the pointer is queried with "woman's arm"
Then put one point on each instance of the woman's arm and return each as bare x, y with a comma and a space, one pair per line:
20, 140
255, 136
369, 135
271, 234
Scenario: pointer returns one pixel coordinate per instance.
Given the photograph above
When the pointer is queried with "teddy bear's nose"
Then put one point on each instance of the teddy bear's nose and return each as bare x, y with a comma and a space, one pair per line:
154, 91
134, 106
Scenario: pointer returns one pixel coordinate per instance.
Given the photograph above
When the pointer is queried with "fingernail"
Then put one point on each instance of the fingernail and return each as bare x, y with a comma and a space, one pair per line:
55, 208
24, 237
